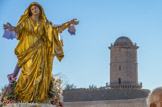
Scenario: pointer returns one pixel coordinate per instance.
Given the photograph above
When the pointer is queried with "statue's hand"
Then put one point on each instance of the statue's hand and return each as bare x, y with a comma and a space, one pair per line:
8, 26
74, 22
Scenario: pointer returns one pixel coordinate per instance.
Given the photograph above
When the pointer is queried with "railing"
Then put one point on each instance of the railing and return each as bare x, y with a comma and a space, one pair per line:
134, 44
124, 85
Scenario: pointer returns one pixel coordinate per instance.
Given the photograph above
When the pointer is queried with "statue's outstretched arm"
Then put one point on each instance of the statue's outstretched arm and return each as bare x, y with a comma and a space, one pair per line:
62, 27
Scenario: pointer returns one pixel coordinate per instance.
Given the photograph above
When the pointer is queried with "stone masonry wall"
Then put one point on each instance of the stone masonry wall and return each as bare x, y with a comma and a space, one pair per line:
141, 102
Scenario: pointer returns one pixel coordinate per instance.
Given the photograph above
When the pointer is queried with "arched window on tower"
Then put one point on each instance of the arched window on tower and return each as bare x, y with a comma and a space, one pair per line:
119, 80
119, 68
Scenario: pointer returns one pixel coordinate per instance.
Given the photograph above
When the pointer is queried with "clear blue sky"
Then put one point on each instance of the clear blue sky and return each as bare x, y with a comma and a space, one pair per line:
87, 56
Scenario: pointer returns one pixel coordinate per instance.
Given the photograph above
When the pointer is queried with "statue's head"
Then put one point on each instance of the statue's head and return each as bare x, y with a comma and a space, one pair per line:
34, 9
155, 98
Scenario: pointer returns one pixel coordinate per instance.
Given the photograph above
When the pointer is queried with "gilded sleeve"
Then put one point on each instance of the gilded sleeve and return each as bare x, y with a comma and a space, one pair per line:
61, 28
19, 27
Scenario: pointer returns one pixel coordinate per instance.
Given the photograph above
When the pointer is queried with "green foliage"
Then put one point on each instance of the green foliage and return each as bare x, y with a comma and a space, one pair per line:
11, 92
70, 86
92, 86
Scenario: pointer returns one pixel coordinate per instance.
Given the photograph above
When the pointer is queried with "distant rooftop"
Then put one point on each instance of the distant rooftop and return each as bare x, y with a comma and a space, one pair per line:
75, 95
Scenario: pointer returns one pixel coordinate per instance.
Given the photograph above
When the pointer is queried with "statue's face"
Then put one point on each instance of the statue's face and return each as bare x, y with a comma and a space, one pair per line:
35, 10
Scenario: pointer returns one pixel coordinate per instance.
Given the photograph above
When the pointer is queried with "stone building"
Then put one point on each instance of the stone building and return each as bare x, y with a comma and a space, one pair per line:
123, 64
124, 90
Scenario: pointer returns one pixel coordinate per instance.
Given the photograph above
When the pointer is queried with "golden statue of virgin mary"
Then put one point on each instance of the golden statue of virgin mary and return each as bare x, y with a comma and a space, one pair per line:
38, 45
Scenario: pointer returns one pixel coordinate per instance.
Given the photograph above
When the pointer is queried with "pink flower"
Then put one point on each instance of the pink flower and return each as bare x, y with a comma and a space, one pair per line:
9, 75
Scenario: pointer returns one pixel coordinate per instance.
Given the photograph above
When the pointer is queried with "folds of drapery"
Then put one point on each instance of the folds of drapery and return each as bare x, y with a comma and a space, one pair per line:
34, 80
36, 64
54, 42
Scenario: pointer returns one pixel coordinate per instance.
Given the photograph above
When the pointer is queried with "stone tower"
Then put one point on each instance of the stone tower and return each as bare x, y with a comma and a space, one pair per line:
123, 64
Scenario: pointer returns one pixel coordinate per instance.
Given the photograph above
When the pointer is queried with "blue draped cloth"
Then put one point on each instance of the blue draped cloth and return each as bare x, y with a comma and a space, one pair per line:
9, 34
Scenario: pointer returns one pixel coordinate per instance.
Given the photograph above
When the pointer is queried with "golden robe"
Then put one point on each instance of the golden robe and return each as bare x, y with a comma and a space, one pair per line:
38, 45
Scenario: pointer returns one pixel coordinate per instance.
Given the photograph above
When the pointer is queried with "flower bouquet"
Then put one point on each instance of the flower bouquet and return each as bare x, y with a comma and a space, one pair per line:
55, 93
8, 94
